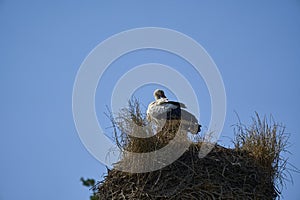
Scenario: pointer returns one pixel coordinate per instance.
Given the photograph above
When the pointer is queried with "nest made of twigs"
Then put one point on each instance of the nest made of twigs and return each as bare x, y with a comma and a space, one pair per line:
253, 169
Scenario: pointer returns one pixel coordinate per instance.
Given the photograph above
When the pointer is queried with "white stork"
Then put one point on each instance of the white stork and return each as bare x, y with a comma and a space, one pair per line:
162, 109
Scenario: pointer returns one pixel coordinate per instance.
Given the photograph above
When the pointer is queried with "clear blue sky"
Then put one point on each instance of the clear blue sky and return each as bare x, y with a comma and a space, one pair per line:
255, 44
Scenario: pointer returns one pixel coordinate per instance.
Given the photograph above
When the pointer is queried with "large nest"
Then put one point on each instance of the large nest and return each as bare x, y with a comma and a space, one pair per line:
253, 169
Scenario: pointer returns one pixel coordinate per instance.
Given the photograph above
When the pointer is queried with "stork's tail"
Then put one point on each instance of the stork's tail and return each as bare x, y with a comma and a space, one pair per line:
194, 128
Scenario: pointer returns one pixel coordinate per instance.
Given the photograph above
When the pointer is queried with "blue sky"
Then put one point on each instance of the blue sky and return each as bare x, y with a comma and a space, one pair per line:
255, 45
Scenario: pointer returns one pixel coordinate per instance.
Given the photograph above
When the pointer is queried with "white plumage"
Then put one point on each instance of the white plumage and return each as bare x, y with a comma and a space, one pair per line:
162, 109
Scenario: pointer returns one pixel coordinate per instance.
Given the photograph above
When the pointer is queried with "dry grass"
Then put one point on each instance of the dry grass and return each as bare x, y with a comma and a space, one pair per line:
131, 120
254, 169
266, 141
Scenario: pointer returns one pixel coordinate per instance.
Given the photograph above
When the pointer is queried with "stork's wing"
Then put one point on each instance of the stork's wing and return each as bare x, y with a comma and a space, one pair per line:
190, 121
162, 101
187, 116
181, 105
161, 108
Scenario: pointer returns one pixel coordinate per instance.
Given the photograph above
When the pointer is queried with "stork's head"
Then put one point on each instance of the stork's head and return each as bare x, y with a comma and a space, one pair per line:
159, 94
